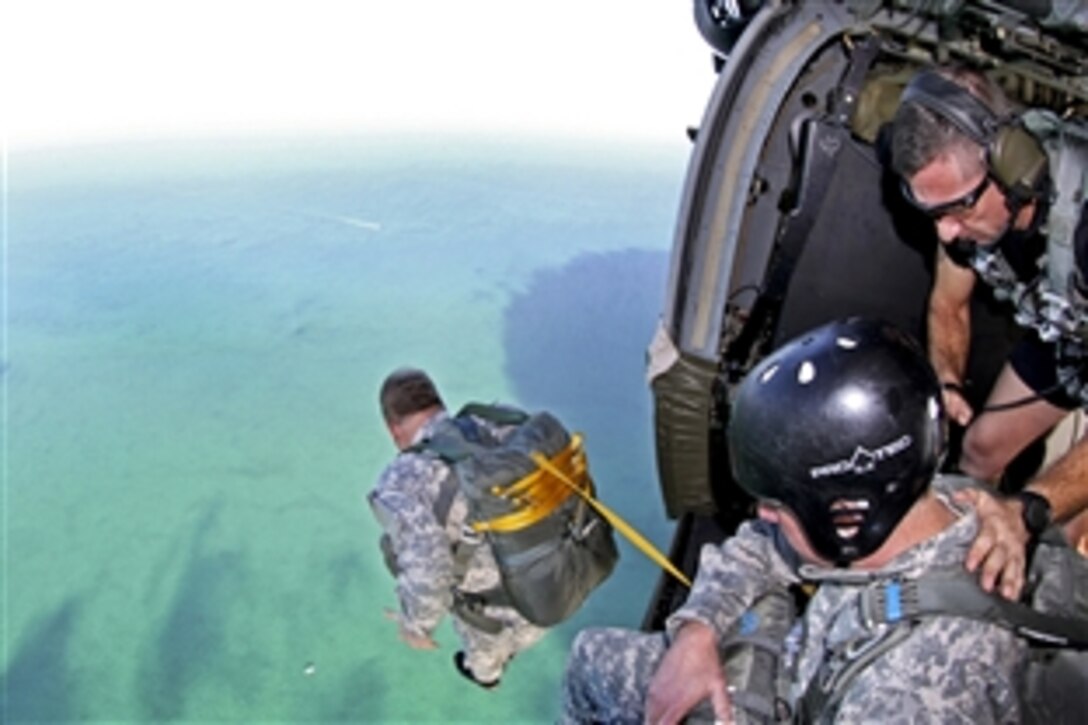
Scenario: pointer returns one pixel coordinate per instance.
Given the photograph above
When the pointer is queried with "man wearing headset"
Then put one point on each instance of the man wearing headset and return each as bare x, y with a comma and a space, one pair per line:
1003, 198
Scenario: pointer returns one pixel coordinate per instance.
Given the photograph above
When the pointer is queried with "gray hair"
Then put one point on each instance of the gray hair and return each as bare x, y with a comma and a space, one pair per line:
920, 135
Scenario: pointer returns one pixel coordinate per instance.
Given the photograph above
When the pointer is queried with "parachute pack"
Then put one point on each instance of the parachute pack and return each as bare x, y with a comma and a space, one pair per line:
528, 491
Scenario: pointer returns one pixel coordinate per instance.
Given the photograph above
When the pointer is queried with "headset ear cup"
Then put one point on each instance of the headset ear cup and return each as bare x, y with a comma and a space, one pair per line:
1017, 161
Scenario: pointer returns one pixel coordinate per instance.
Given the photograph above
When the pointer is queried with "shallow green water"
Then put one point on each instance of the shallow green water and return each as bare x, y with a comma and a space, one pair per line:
195, 337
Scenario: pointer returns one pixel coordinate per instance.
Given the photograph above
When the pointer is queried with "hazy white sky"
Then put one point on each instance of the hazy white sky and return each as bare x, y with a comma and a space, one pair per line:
87, 69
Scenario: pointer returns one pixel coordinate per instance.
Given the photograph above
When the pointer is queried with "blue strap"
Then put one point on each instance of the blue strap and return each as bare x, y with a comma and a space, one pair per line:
893, 602
959, 595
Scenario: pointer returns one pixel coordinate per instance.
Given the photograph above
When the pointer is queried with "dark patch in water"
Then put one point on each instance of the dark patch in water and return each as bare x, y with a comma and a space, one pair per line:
575, 343
191, 641
576, 325
346, 572
38, 683
362, 695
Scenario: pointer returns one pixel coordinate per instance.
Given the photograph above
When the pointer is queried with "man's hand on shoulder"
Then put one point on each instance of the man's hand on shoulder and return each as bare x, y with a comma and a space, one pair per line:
689, 673
998, 552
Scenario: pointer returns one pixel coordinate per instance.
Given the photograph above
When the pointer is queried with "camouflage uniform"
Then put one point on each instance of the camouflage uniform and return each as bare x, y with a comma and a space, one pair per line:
946, 670
404, 502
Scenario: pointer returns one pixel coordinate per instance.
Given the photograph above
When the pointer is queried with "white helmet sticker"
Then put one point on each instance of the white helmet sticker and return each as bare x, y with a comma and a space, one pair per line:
863, 460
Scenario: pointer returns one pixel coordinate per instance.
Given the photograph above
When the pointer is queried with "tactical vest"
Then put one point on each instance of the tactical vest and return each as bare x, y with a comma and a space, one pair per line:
1053, 303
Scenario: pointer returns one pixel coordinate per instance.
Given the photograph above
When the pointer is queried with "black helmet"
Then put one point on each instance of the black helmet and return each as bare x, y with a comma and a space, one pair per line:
843, 426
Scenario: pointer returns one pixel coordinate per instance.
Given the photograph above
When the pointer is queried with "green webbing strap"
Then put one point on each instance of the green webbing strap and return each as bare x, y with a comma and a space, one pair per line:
444, 502
469, 608
959, 595
463, 551
899, 604
450, 445
754, 703
389, 554
492, 413
836, 672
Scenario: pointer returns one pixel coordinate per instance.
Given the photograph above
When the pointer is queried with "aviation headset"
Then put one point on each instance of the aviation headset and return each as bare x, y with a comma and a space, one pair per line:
1015, 159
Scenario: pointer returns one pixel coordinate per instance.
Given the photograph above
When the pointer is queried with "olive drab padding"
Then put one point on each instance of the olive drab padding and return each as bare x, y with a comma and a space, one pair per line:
551, 549
1015, 158
683, 403
754, 655
877, 103
389, 554
1017, 161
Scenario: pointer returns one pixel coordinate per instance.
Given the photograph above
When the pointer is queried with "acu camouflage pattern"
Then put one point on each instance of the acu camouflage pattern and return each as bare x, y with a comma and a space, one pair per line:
607, 674
946, 670
609, 669
403, 502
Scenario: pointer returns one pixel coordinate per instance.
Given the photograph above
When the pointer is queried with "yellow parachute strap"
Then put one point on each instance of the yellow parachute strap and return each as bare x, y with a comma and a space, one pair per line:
641, 542
572, 459
536, 495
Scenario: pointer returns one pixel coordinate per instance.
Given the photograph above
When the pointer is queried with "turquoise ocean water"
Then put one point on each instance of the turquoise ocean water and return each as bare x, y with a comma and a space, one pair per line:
195, 336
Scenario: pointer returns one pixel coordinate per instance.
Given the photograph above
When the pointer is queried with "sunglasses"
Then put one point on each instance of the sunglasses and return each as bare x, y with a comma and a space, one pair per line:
956, 206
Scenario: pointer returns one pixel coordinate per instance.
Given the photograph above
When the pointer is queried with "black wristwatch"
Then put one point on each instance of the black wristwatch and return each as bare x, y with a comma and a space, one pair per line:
1036, 512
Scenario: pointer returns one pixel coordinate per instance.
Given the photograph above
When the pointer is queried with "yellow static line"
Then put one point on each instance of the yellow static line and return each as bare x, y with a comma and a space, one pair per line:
641, 542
